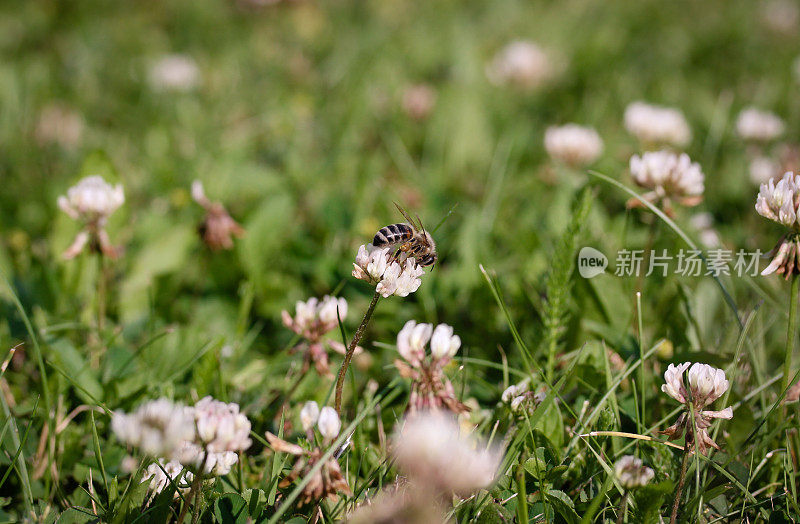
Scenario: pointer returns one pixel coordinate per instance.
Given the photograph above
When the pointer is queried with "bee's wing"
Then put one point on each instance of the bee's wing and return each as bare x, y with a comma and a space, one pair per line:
405, 215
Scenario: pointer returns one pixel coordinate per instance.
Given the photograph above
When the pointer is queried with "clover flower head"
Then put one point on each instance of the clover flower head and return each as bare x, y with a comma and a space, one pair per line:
669, 176
161, 474
430, 388
521, 64
174, 72
220, 426
400, 277
213, 463
61, 125
705, 385
758, 126
329, 424
780, 201
573, 144
309, 415
92, 200
763, 169
631, 473
652, 124
430, 449
158, 427
218, 229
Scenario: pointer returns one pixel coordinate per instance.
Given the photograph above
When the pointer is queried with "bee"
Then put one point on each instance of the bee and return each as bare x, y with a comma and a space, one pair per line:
410, 238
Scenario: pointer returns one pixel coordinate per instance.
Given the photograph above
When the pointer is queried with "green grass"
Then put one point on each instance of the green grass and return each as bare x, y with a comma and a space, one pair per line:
296, 125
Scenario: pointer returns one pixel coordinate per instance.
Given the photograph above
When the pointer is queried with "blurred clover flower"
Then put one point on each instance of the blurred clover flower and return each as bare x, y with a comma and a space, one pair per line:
521, 64
431, 451
91, 201
158, 427
161, 474
418, 101
313, 319
328, 481
631, 473
572, 144
519, 397
758, 126
390, 277
706, 384
218, 228
655, 125
780, 202
174, 72
762, 169
58, 124
220, 426
430, 387
669, 177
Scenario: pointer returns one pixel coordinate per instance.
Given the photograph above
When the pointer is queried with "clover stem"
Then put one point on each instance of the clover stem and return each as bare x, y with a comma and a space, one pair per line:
351, 349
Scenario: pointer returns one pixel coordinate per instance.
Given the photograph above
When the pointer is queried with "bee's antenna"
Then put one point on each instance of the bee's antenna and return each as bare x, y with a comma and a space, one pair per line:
405, 215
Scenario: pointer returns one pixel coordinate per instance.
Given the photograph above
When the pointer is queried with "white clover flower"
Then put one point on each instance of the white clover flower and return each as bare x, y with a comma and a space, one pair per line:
60, 125
194, 456
631, 473
573, 144
174, 73
309, 415
706, 384
780, 16
430, 449
521, 63
329, 424
653, 124
758, 126
92, 199
175, 474
780, 202
220, 426
763, 169
391, 277
411, 340
513, 391
158, 428
669, 176
331, 309
444, 344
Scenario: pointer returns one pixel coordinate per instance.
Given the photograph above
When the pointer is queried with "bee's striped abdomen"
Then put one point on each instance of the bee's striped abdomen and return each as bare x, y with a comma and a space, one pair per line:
392, 234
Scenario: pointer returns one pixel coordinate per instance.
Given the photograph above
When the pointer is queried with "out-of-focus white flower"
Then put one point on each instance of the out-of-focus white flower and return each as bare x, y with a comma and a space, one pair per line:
780, 202
391, 277
218, 228
411, 340
430, 449
419, 101
758, 126
220, 426
309, 415
669, 176
763, 169
652, 124
706, 384
444, 344
573, 144
430, 387
60, 125
217, 464
513, 391
174, 73
313, 319
522, 64
175, 474
704, 224
329, 424
92, 199
158, 428
781, 16
631, 473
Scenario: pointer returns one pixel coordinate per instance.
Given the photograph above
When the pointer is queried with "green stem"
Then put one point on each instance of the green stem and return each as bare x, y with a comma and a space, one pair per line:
623, 507
681, 480
522, 495
351, 349
790, 333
